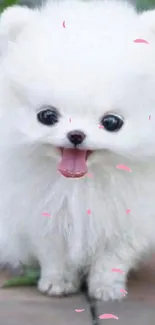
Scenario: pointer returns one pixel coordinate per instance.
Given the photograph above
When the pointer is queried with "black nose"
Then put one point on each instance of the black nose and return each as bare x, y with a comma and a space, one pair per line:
76, 137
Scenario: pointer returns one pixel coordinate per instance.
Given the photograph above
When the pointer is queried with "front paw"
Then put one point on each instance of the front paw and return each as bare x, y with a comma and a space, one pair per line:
52, 288
102, 291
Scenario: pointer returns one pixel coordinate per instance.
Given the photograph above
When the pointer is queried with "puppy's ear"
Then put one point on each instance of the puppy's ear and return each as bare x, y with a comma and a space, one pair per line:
148, 21
12, 22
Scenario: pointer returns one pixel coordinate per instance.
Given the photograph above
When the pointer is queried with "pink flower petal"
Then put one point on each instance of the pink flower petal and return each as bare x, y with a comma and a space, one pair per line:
89, 211
63, 24
79, 310
117, 270
123, 167
128, 211
107, 316
140, 40
89, 175
124, 291
45, 214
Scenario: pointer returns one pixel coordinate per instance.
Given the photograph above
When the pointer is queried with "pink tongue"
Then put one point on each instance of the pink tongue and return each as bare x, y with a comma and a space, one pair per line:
73, 163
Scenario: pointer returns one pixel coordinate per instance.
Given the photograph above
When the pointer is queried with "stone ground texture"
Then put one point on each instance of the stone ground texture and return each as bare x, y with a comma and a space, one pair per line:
26, 306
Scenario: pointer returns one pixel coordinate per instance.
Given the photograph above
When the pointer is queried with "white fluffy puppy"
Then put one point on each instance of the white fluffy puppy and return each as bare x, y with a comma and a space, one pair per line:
77, 98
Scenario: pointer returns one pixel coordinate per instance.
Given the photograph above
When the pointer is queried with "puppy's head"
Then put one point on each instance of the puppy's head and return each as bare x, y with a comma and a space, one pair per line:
78, 84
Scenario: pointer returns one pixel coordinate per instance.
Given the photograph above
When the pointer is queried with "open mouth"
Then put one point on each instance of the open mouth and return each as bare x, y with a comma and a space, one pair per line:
73, 162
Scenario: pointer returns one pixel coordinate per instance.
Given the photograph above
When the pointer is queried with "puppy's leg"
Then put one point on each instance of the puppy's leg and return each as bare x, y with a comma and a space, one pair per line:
9, 250
54, 282
108, 274
58, 277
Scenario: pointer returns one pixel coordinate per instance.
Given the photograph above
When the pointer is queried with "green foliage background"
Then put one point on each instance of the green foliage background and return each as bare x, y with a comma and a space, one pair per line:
7, 3
145, 4
141, 4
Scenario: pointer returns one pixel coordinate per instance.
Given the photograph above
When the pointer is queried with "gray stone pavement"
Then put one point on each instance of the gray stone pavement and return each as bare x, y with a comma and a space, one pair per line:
26, 306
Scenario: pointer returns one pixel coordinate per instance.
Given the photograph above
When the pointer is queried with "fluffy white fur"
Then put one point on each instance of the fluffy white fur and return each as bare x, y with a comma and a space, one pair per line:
85, 70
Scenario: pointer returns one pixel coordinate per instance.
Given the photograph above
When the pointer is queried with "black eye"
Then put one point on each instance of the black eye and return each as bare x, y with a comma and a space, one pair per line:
48, 116
112, 122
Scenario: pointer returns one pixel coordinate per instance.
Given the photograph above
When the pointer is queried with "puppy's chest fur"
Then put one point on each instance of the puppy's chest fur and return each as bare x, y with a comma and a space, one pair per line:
110, 204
